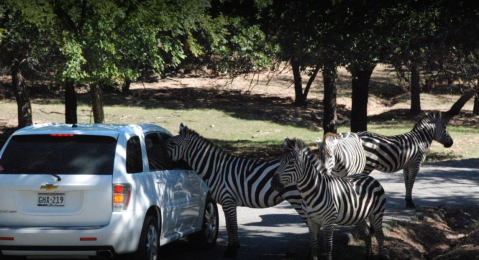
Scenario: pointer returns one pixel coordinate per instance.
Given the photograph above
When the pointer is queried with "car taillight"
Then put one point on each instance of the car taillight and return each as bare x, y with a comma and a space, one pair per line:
121, 196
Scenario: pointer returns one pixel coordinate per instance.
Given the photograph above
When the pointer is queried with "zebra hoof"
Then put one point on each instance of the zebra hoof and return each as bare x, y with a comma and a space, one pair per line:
230, 251
410, 204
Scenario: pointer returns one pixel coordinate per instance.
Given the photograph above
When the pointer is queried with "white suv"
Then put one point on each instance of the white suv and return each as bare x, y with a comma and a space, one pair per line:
98, 190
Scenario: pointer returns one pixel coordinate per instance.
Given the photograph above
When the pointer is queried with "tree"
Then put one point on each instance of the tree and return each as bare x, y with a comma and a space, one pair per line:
416, 26
293, 26
19, 48
366, 34
104, 42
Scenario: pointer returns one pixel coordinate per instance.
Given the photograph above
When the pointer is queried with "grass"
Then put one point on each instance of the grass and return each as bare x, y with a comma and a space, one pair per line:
257, 123
250, 136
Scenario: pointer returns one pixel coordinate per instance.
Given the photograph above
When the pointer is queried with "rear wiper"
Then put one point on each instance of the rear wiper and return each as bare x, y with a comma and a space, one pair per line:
56, 176
28, 170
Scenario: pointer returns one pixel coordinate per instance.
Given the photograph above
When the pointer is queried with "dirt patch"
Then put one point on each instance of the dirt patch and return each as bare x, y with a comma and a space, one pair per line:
435, 233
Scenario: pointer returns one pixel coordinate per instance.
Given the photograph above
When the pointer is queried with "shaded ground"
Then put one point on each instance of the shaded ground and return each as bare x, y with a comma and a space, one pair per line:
436, 233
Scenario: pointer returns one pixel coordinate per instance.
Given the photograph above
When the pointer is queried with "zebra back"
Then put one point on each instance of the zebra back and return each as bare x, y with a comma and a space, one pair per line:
344, 201
342, 154
393, 153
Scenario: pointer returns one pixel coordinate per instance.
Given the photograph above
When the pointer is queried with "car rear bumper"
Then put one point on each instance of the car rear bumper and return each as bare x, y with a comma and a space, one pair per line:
121, 235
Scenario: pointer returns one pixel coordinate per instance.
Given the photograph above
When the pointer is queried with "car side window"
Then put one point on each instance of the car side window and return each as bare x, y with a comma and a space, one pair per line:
180, 165
156, 151
134, 162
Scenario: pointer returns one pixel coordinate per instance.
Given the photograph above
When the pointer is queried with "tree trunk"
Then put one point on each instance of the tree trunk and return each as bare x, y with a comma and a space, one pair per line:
360, 86
415, 91
24, 107
298, 85
329, 102
97, 103
70, 102
126, 87
475, 110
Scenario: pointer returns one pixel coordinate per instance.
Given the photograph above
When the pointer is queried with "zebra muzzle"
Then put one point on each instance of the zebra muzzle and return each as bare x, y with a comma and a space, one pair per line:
447, 145
276, 182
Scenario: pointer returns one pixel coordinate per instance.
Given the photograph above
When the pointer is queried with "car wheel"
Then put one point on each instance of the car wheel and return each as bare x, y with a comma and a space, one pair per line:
207, 236
148, 244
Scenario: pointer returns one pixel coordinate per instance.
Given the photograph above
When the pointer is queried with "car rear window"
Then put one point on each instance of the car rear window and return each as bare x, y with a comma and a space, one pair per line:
61, 154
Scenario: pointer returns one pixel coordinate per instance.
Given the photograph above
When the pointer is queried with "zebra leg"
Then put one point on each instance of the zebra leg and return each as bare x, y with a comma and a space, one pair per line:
313, 238
328, 241
365, 235
377, 225
409, 178
232, 229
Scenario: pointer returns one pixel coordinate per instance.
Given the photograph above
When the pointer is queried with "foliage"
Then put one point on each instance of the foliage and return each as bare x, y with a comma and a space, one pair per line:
108, 41
234, 43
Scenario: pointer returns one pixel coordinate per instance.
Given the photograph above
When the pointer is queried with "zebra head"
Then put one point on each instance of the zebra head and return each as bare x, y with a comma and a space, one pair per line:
440, 133
289, 170
327, 154
176, 145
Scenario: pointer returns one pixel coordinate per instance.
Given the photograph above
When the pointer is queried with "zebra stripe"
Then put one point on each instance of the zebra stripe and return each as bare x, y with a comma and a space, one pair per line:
232, 181
406, 151
330, 200
342, 154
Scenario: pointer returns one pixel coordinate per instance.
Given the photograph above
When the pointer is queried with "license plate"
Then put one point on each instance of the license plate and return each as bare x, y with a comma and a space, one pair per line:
51, 199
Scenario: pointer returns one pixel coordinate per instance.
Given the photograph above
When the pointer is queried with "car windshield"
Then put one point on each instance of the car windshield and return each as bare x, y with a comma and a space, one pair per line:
59, 154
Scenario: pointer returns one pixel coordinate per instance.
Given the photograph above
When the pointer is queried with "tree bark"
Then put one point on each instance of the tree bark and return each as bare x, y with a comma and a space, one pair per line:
360, 86
329, 102
97, 103
298, 85
415, 91
125, 89
24, 107
475, 110
70, 102
310, 82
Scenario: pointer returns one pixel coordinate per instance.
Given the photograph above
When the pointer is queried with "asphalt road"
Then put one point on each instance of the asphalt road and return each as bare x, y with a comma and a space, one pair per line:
278, 233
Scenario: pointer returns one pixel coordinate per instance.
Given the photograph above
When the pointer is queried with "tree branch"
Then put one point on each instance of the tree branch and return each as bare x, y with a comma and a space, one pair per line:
66, 20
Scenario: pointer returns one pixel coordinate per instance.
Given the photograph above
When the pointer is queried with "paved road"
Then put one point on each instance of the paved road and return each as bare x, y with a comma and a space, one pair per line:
278, 233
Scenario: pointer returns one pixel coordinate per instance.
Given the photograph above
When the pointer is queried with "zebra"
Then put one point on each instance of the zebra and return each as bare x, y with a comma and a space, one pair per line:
233, 181
406, 151
342, 154
330, 200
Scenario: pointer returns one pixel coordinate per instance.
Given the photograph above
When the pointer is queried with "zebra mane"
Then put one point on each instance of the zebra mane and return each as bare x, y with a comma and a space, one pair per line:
194, 134
429, 117
328, 135
313, 159
306, 151
207, 141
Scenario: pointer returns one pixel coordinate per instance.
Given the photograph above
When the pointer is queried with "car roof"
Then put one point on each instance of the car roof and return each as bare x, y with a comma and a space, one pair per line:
112, 130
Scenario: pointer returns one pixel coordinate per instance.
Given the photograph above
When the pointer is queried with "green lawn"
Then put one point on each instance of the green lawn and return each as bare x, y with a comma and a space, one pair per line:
238, 134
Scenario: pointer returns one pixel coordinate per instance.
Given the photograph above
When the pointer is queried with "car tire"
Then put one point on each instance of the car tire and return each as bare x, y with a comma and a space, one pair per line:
149, 243
207, 236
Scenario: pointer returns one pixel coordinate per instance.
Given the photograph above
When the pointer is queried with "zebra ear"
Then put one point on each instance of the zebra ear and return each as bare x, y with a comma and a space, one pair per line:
299, 146
288, 144
319, 142
184, 131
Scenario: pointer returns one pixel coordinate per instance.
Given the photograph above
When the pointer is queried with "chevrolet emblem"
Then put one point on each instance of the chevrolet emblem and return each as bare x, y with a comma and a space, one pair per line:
49, 187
